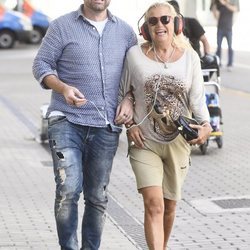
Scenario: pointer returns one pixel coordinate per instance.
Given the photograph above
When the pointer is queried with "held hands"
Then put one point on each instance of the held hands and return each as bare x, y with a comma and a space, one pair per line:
124, 112
124, 115
73, 96
203, 132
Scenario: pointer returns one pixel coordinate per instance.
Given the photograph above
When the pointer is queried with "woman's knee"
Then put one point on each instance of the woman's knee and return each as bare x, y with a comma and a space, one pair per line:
169, 206
154, 206
153, 200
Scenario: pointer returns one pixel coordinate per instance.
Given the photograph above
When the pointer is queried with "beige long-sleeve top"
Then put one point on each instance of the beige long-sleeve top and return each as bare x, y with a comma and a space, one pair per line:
162, 94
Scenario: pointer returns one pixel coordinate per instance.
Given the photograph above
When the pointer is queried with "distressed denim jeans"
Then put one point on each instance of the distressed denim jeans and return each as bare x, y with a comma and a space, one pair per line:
82, 158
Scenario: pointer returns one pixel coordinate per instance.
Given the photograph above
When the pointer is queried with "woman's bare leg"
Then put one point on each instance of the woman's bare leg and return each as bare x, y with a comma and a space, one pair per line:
153, 217
169, 216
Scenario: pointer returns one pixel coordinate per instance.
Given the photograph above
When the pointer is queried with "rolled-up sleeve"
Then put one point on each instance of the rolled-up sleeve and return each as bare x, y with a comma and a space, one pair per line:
50, 51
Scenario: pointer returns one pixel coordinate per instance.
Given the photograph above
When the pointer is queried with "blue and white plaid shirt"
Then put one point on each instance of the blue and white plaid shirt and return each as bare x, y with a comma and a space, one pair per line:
74, 51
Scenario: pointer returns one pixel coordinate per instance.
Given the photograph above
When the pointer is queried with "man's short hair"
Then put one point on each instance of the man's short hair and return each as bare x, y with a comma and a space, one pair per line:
175, 5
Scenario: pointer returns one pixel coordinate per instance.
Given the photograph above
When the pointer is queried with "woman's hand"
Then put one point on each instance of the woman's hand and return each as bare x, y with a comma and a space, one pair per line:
124, 112
135, 136
204, 132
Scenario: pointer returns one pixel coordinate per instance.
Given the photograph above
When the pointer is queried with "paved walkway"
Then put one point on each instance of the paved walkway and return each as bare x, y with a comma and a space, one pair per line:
214, 212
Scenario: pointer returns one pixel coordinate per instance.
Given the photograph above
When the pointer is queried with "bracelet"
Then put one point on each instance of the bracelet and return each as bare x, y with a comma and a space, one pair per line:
205, 123
130, 125
131, 99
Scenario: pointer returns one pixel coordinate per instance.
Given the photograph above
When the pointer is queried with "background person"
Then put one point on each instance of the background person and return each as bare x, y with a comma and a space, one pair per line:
223, 10
164, 75
81, 60
194, 31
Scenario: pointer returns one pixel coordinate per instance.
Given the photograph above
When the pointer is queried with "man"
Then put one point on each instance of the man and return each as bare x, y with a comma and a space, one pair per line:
81, 59
194, 31
223, 11
196, 34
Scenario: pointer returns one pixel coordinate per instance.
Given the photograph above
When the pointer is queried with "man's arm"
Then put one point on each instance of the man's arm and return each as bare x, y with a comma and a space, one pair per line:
198, 32
229, 5
205, 43
214, 10
71, 94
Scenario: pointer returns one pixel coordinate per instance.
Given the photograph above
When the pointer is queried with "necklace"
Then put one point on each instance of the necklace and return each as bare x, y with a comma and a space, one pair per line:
158, 58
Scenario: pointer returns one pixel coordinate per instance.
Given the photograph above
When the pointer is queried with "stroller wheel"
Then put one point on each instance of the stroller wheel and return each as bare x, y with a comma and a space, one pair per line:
219, 141
203, 148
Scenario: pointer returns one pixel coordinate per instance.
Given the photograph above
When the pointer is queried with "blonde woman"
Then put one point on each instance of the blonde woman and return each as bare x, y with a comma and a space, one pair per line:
165, 78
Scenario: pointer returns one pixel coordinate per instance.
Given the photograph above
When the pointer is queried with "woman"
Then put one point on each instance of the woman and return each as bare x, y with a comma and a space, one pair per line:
165, 77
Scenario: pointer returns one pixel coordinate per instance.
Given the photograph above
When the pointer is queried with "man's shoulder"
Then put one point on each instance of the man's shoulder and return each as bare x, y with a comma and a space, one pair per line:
194, 25
121, 22
191, 21
124, 29
66, 17
64, 20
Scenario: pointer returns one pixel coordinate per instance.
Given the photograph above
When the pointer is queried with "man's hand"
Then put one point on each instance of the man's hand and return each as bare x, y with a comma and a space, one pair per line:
73, 96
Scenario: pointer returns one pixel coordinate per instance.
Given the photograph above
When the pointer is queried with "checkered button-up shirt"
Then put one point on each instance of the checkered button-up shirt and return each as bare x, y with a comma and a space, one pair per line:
74, 51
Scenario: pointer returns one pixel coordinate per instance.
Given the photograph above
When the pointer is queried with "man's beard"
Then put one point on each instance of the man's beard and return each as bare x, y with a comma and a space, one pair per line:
99, 7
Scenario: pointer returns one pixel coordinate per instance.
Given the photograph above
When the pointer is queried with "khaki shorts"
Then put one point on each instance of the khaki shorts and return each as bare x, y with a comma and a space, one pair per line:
163, 165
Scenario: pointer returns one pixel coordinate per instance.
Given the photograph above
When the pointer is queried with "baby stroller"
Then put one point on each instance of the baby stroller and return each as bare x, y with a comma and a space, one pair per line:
211, 75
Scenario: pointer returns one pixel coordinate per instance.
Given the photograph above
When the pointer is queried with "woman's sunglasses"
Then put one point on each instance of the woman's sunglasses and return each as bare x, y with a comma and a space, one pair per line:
154, 20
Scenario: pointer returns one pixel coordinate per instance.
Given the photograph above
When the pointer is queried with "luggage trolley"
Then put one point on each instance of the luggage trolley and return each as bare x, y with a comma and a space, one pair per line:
211, 76
43, 130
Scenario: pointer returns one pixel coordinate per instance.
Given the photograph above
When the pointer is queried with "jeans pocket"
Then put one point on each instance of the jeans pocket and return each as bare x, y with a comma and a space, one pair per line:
56, 119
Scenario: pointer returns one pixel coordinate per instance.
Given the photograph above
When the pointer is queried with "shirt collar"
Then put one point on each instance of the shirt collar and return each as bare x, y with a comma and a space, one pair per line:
79, 13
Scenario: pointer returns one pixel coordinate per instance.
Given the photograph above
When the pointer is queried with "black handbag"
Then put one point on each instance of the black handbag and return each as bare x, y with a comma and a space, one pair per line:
182, 123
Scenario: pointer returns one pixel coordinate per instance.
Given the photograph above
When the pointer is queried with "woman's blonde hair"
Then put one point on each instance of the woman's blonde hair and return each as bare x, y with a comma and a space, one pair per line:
179, 41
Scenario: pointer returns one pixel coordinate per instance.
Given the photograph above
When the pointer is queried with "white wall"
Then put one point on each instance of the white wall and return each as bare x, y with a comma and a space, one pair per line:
129, 10
55, 8
132, 10
125, 9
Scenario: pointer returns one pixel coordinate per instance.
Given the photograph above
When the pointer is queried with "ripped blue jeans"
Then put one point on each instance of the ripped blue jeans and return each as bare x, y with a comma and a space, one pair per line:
82, 158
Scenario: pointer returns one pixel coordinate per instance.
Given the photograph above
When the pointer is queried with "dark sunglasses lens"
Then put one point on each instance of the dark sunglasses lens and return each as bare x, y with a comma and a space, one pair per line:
165, 19
153, 20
